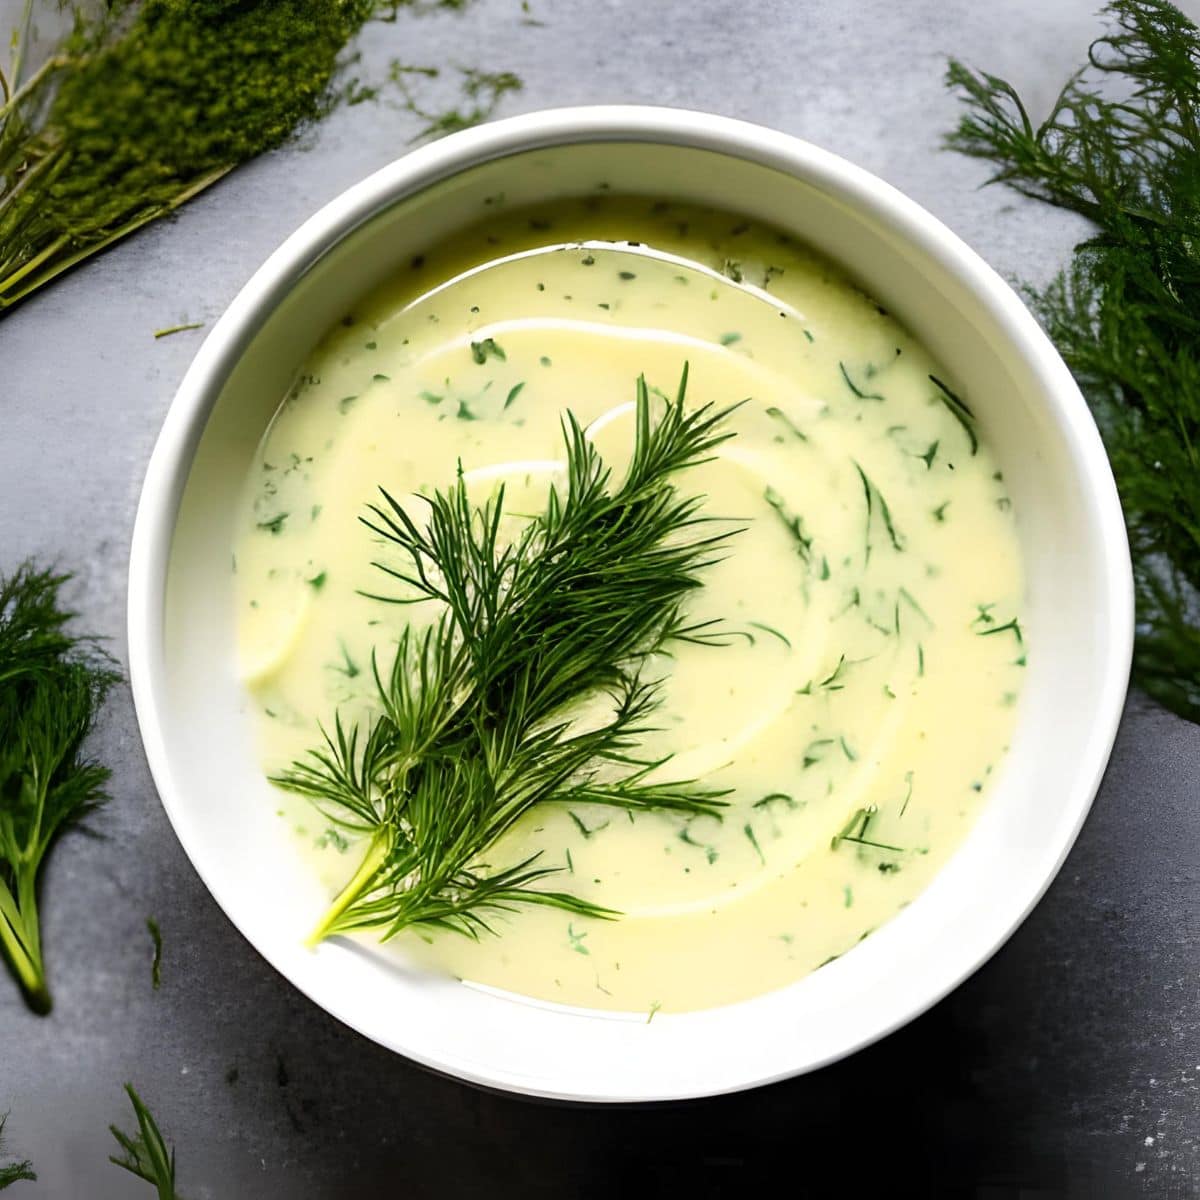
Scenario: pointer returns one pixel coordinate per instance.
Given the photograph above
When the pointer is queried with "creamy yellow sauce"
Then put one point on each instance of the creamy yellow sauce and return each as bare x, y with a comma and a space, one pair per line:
865, 695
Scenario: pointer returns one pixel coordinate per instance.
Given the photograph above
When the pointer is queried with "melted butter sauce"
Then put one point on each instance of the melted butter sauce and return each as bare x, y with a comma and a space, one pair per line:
865, 692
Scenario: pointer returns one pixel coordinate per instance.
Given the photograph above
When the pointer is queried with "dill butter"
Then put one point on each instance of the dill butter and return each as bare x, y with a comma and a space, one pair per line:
853, 656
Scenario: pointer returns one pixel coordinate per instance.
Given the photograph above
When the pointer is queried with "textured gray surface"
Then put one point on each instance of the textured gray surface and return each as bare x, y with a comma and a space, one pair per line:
1069, 1065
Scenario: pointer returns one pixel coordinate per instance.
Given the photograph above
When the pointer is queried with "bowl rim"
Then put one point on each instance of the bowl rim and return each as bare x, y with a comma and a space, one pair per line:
171, 460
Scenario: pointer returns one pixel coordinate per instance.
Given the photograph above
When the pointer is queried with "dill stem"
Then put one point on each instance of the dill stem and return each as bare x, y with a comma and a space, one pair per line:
28, 971
20, 93
376, 856
143, 218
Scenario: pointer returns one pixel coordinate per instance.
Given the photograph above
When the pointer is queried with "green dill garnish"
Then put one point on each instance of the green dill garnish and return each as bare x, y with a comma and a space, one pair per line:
171, 330
1012, 627
855, 831
655, 1007
345, 403
464, 413
748, 830
851, 756
908, 781
792, 523
906, 596
814, 752
52, 684
730, 339
939, 513
1121, 146
488, 348
626, 275
275, 524
832, 682
877, 504
959, 411
847, 896
771, 630
377, 378
584, 829
777, 414
156, 962
145, 1153
773, 798
576, 940
929, 455
471, 733
430, 397
316, 582
513, 393
13, 1172
854, 387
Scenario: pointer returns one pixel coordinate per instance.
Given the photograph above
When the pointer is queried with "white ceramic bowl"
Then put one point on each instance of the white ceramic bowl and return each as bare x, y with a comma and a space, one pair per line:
1079, 613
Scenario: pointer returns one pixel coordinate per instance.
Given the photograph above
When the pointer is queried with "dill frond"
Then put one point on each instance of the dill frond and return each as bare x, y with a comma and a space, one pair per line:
52, 684
1121, 146
475, 726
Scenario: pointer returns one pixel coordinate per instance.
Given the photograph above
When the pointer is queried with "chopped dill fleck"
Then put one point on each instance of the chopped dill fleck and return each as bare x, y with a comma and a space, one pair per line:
779, 415
772, 631
275, 524
488, 348
1012, 626
876, 503
576, 940
793, 524
345, 402
854, 387
587, 833
748, 830
959, 411
730, 339
317, 582
513, 393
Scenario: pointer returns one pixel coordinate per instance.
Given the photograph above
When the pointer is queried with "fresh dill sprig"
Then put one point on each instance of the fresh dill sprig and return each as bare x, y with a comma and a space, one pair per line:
13, 1172
479, 719
146, 1153
1121, 146
52, 684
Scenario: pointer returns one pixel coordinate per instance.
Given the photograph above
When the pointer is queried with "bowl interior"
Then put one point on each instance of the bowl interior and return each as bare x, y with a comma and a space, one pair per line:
1077, 615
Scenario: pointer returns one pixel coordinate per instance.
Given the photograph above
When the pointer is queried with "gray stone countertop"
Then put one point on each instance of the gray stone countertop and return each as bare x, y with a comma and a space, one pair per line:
1068, 1065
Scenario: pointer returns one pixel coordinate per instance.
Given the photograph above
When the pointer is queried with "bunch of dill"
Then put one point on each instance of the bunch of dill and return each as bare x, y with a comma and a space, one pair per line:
1121, 146
52, 684
144, 106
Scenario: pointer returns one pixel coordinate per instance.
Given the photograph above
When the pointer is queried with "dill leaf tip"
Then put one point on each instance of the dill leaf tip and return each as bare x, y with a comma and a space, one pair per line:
146, 1153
